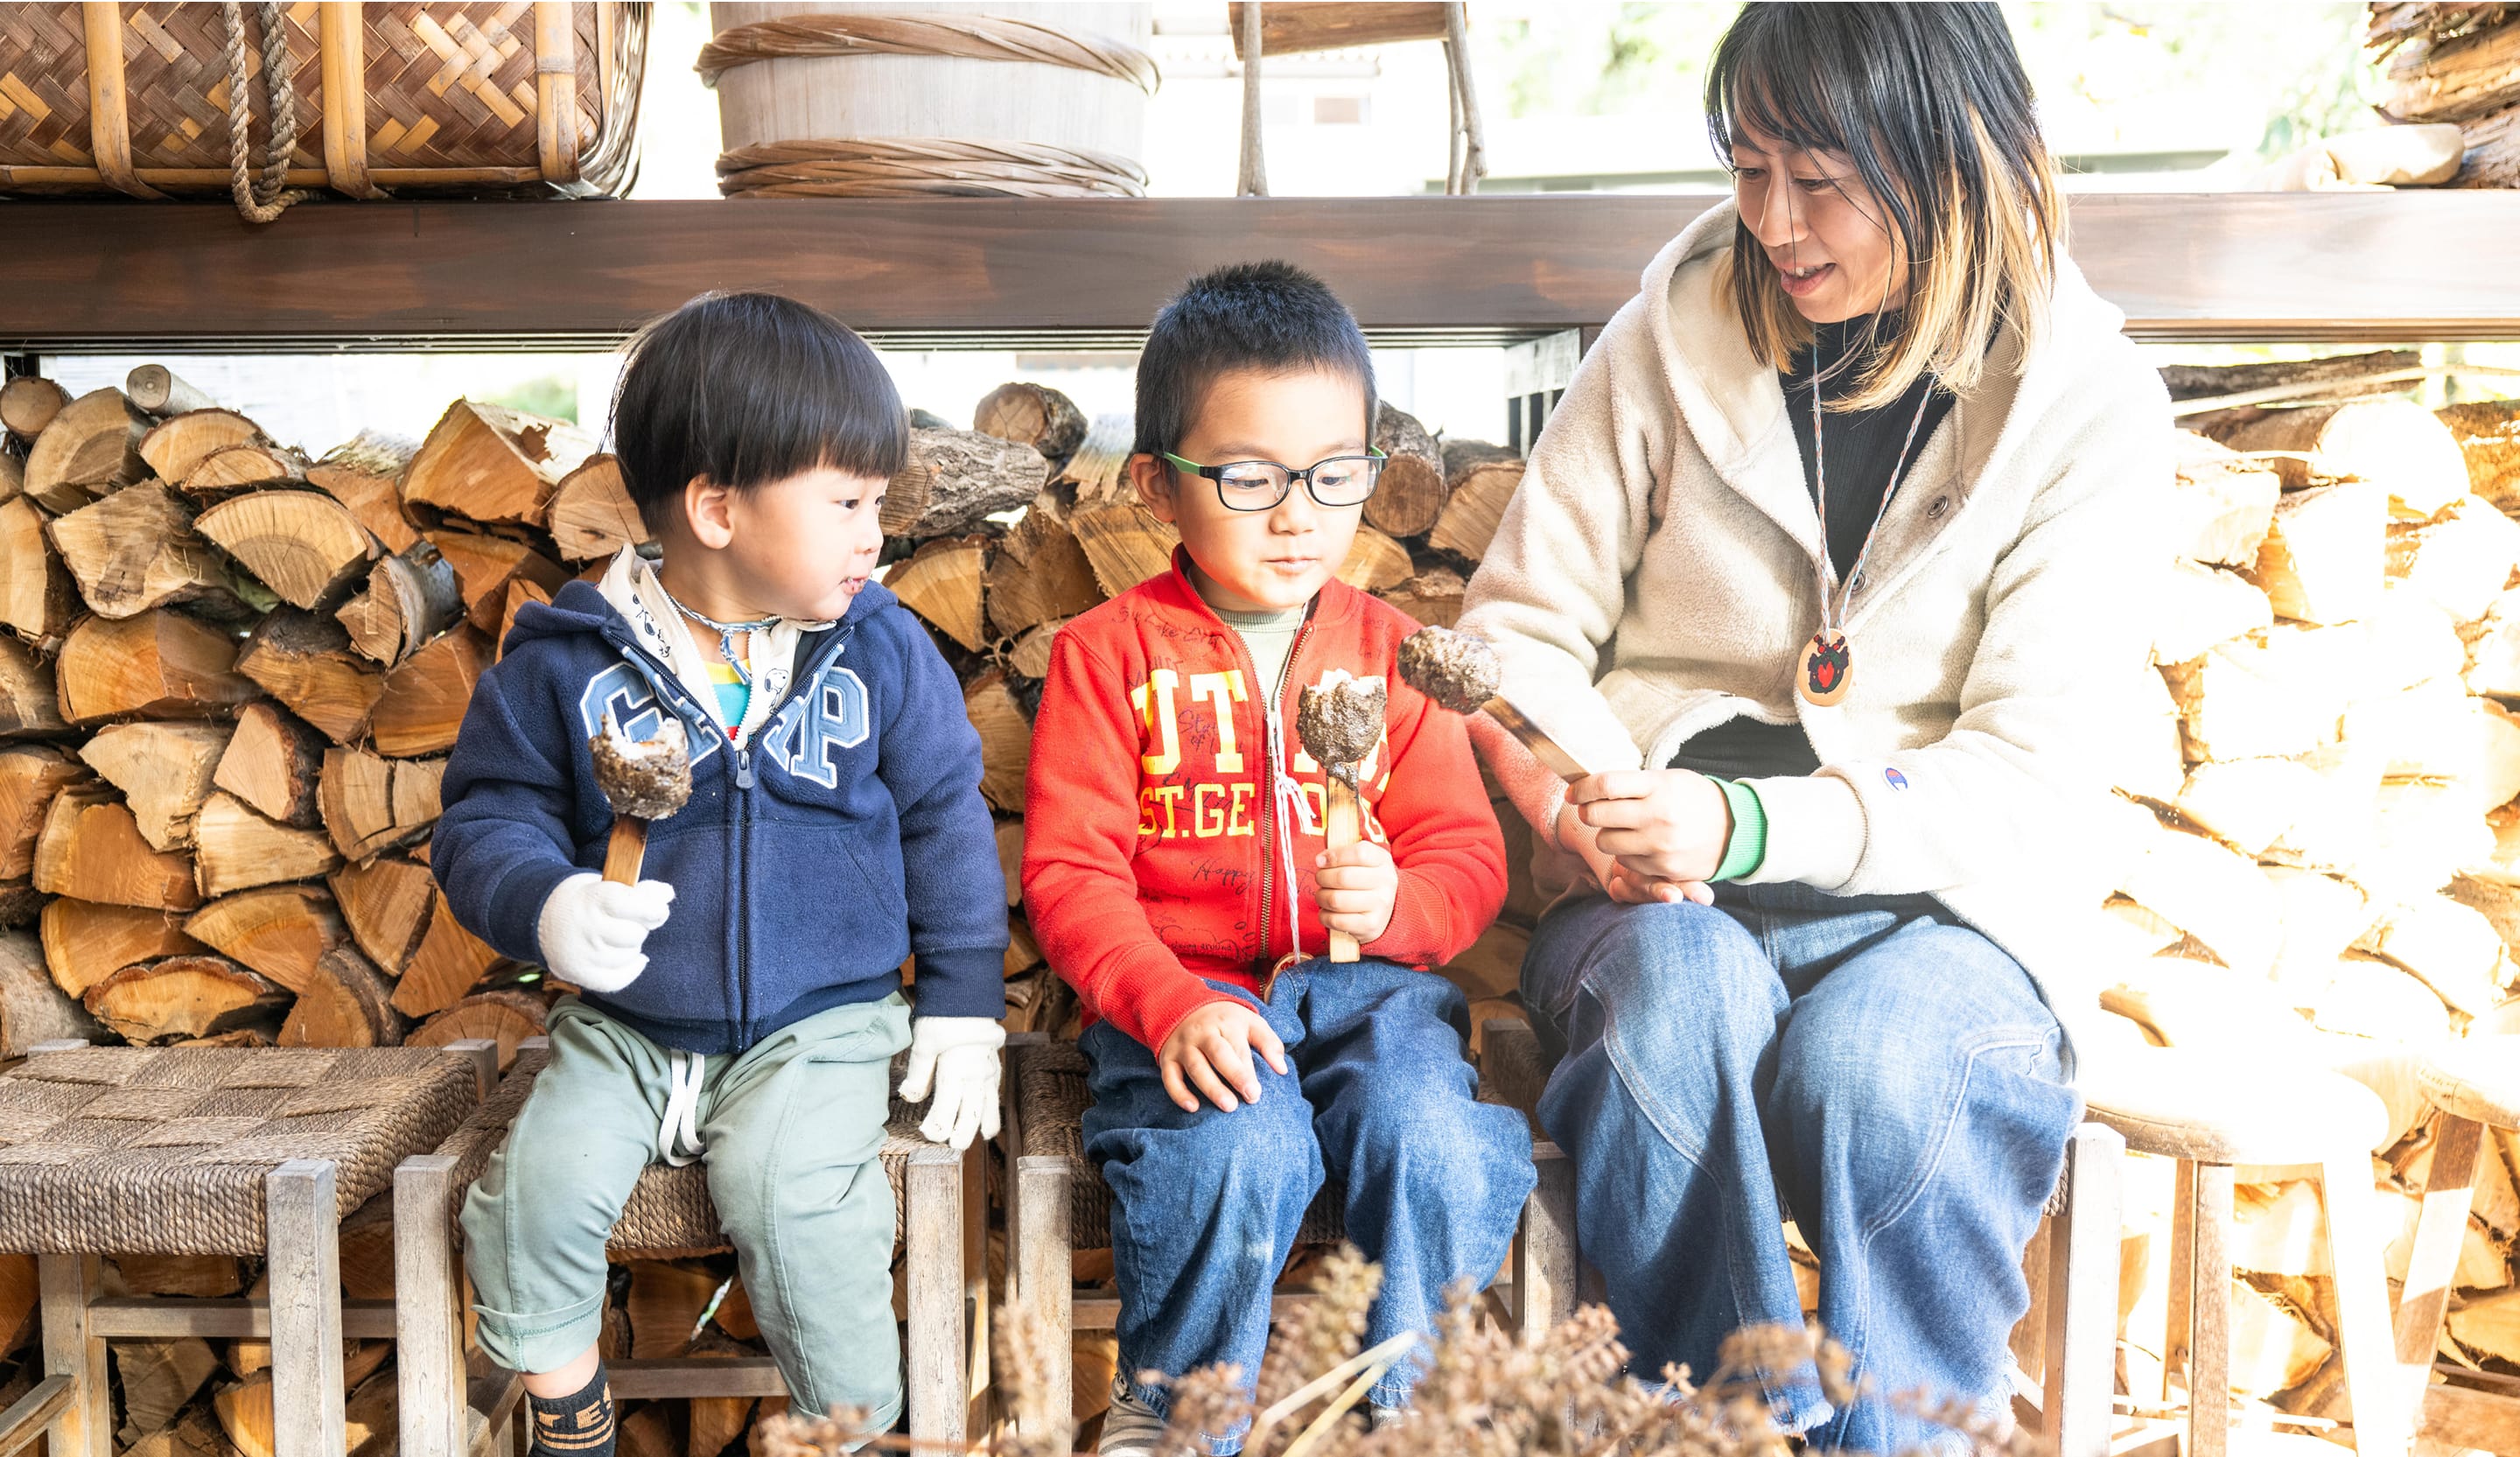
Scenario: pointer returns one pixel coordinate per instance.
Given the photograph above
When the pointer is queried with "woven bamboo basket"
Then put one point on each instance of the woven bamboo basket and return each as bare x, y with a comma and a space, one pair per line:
505, 97
976, 98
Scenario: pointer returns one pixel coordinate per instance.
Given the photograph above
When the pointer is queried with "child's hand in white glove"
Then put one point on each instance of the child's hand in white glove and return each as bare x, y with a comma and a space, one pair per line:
591, 929
958, 1056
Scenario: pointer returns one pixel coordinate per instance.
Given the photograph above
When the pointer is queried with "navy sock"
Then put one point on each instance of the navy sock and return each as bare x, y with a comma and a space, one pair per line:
578, 1425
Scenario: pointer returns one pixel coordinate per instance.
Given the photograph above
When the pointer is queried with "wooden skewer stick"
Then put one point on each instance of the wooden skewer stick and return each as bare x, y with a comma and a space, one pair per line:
626, 850
1543, 748
1344, 827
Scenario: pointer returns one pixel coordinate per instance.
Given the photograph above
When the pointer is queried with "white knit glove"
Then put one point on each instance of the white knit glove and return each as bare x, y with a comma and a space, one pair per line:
959, 1055
591, 929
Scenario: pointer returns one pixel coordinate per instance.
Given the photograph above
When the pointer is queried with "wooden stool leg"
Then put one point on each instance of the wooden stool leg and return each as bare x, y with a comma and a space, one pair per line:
305, 1241
2175, 1359
2209, 1352
933, 1266
2450, 1191
428, 1321
2079, 1352
69, 1285
1044, 1272
1544, 1249
979, 1394
2384, 1401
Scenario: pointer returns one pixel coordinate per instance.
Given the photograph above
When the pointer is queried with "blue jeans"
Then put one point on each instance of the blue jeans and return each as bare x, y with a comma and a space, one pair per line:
1207, 1204
1891, 1075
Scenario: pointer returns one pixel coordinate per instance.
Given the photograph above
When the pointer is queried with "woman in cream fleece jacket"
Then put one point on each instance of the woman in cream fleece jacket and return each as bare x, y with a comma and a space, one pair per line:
1866, 1012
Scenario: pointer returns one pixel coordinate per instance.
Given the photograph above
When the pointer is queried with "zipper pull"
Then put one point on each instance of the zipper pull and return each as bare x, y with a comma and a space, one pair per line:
743, 768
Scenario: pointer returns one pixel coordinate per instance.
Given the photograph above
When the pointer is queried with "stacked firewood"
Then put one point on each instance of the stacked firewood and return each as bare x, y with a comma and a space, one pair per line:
2460, 64
2326, 864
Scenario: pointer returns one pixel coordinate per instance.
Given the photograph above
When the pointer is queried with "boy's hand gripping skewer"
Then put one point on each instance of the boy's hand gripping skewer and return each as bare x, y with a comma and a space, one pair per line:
1339, 721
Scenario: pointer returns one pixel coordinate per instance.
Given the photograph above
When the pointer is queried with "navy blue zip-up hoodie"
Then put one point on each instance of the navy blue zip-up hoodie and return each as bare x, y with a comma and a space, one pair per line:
848, 834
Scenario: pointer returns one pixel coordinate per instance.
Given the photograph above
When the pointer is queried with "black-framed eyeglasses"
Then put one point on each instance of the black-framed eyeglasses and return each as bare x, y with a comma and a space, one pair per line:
1260, 485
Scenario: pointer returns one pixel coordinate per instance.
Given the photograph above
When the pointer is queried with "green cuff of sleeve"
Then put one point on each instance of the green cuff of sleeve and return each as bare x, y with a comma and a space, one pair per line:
1747, 847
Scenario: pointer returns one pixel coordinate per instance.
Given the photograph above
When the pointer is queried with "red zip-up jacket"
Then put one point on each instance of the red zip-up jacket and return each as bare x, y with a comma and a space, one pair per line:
1155, 852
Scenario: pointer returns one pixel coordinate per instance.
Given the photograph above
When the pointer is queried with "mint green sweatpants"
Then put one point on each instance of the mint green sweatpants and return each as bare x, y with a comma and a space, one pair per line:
792, 1127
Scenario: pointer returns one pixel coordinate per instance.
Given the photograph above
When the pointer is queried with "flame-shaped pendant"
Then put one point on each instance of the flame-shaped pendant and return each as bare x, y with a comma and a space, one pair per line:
1825, 669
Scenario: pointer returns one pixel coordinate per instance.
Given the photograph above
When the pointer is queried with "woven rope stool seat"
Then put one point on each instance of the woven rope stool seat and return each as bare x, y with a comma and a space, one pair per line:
163, 1151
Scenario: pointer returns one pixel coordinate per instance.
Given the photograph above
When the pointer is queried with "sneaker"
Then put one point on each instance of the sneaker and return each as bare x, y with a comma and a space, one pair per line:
1131, 1428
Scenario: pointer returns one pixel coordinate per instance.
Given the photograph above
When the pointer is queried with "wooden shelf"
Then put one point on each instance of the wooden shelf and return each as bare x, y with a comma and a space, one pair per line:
92, 276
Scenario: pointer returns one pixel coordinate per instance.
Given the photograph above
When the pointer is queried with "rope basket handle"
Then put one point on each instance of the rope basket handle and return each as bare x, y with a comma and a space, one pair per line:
263, 201
973, 37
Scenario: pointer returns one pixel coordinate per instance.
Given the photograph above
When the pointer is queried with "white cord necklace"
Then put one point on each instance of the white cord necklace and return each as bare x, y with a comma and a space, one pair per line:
1827, 668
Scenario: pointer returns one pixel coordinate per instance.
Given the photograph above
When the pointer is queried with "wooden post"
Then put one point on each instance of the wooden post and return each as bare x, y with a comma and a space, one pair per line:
2175, 1344
1346, 828
68, 1284
978, 1414
2449, 1191
1545, 1248
303, 1242
428, 1321
2385, 1395
933, 1266
1045, 1277
2078, 1352
1254, 181
2209, 1305
484, 1054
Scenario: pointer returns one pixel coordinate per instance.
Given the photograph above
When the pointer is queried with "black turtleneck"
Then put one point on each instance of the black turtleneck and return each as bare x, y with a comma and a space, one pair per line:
1862, 447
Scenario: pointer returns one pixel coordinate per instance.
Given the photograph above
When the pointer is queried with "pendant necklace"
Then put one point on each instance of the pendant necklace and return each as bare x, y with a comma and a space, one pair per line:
1827, 668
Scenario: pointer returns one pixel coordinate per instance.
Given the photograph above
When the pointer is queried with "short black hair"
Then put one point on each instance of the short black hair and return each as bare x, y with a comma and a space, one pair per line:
1270, 316
748, 389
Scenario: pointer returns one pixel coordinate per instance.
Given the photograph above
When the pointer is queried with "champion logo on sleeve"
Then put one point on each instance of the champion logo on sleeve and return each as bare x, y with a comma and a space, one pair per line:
1894, 778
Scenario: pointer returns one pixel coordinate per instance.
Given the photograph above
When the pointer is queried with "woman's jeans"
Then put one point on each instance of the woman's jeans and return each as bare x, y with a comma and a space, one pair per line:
1205, 1206
1890, 1075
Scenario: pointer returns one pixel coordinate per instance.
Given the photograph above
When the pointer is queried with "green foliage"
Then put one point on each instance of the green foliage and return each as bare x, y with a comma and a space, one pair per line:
553, 395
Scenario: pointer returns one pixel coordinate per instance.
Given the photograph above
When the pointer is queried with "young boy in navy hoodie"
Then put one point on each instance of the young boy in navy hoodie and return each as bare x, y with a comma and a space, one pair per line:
743, 1002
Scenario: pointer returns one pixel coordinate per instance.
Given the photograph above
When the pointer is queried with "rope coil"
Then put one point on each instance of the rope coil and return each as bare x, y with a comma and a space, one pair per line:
973, 37
263, 201
925, 167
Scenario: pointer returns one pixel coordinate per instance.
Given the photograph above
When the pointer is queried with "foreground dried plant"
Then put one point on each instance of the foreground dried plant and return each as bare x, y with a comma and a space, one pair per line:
1483, 1393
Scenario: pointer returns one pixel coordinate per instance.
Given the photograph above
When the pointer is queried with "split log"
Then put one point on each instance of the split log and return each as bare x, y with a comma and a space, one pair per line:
2323, 557
423, 700
1029, 658
1038, 574
507, 1018
184, 996
483, 567
2187, 381
244, 466
90, 448
32, 1009
1034, 415
245, 1412
2223, 503
283, 931
159, 1376
344, 1003
1024, 953
196, 1433
2488, 433
174, 447
1124, 542
303, 545
2202, 606
372, 1416
36, 597
2409, 643
519, 593
304, 660
136, 549
2436, 732
667, 1298
410, 597
489, 463
2422, 834
92, 849
941, 583
716, 1422
449, 963
2458, 77
2454, 949
163, 770
592, 513
2489, 1326
1476, 504
159, 664
29, 702
1410, 496
372, 805
2247, 803
30, 775
1006, 740
1463, 455
273, 762
1099, 469
2215, 896
645, 1430
159, 391
955, 477
368, 1249
20, 902
2269, 694
360, 473
2396, 444
13, 476
386, 905
28, 403
1010, 838
235, 848
2459, 561
86, 942
2322, 916
1374, 561
2493, 897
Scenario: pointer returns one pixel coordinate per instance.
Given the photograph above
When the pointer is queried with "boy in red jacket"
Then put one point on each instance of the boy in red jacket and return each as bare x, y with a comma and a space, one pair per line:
1177, 874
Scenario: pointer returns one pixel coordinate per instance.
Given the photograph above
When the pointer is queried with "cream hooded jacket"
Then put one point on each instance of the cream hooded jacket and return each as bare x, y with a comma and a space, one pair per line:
1655, 576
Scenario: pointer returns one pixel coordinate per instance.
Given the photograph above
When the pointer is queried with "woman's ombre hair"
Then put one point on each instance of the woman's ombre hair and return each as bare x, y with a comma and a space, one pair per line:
1930, 104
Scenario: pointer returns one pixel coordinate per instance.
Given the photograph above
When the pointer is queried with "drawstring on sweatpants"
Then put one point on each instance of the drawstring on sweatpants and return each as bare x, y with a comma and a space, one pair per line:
678, 1133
